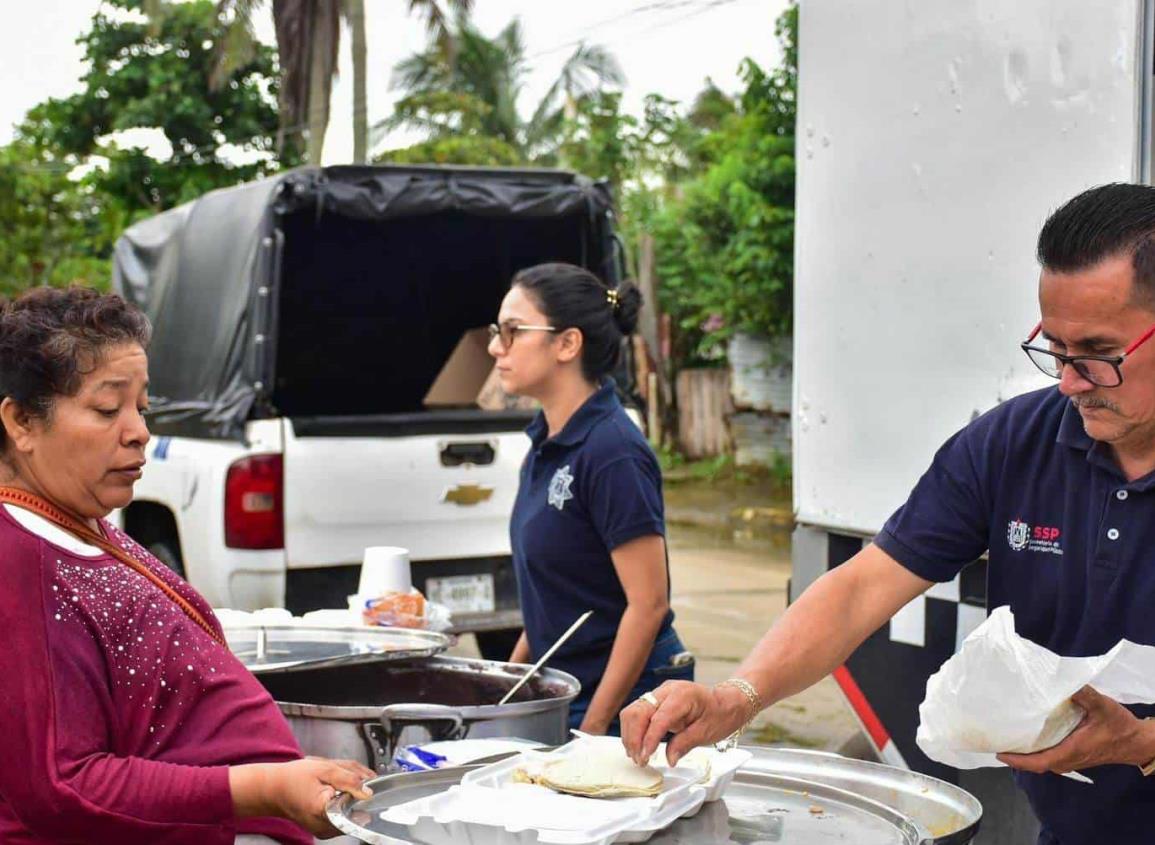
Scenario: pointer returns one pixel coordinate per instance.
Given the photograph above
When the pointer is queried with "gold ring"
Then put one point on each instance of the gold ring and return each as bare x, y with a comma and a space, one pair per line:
651, 699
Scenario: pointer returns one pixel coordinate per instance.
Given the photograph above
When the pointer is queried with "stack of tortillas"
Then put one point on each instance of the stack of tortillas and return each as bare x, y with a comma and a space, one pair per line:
594, 773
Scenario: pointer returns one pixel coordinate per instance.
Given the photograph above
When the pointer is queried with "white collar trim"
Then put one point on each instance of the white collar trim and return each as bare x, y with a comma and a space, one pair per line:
46, 530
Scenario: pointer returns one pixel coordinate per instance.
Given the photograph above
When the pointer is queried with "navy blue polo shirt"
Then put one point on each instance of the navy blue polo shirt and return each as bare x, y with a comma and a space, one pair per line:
1071, 547
593, 487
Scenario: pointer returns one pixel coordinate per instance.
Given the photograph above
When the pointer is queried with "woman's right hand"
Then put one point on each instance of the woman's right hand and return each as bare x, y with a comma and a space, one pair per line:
299, 790
696, 714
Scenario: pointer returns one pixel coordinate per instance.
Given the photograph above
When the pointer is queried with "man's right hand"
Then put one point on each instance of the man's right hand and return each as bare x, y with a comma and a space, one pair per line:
695, 714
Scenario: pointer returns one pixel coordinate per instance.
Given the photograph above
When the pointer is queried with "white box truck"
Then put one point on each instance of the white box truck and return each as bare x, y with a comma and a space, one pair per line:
934, 138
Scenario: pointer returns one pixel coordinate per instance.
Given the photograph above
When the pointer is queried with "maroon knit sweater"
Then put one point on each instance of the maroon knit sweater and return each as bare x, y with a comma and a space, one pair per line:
119, 716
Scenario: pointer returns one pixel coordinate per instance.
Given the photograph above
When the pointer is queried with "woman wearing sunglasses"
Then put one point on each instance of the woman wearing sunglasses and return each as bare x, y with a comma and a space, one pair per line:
588, 525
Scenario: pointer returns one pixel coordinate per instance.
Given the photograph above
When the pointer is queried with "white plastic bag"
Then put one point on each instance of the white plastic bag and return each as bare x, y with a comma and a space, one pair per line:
1004, 693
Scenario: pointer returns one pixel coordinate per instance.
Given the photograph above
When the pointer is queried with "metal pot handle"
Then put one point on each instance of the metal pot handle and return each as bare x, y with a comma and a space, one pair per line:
427, 716
439, 721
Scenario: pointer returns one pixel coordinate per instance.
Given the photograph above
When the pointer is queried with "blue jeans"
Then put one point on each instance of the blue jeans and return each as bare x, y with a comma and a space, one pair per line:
659, 668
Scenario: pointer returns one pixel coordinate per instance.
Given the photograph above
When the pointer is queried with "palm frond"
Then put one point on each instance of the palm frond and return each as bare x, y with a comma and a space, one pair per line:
589, 69
462, 9
545, 108
512, 43
416, 121
438, 22
545, 129
417, 73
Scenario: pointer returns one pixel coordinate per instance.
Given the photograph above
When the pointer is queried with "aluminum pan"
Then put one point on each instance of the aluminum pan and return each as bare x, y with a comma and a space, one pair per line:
283, 647
944, 813
758, 806
362, 819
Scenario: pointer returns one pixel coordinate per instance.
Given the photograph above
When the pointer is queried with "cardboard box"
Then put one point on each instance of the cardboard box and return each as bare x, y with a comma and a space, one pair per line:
464, 374
469, 379
492, 397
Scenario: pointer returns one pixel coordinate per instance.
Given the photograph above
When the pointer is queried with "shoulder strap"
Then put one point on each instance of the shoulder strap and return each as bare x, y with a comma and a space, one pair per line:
76, 527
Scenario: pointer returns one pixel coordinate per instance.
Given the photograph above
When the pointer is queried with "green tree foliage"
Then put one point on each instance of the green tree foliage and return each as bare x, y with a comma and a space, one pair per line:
67, 192
601, 141
724, 241
636, 155
455, 124
51, 232
710, 108
156, 75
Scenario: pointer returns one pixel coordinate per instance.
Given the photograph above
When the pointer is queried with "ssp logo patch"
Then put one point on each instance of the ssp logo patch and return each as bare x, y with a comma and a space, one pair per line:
1038, 538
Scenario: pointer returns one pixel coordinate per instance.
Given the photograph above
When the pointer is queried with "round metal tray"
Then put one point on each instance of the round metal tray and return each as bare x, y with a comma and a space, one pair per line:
779, 796
362, 819
944, 813
284, 646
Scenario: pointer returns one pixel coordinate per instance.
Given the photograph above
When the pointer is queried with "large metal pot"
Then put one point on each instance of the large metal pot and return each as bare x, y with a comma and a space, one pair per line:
366, 711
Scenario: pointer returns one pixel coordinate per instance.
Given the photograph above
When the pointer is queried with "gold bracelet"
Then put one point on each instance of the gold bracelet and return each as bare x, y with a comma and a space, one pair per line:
752, 699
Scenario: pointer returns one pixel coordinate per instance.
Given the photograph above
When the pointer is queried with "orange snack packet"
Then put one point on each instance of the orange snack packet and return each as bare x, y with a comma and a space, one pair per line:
400, 610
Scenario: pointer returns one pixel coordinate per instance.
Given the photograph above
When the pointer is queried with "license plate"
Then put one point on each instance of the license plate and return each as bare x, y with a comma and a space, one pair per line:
463, 593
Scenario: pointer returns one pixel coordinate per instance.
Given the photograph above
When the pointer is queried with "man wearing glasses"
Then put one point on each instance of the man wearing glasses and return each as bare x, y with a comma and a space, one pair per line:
1057, 486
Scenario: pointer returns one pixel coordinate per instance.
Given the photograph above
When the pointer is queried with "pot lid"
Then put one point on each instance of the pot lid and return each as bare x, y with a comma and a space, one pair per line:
284, 646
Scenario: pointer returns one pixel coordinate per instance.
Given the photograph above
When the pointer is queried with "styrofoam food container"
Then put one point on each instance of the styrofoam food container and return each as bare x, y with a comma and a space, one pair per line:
723, 764
490, 808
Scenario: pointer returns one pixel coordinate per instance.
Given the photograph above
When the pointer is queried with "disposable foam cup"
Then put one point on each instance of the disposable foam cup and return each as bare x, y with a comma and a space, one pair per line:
385, 569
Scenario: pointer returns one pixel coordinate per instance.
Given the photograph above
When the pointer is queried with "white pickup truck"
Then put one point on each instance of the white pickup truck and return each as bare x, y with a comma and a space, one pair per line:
298, 324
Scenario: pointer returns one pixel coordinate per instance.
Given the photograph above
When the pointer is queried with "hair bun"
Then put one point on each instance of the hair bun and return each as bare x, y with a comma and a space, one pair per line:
627, 308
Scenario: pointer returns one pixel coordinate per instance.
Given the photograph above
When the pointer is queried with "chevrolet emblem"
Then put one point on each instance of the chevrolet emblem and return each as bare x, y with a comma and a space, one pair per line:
466, 495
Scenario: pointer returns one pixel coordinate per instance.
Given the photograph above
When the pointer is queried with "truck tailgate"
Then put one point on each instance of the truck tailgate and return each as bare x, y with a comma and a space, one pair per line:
439, 495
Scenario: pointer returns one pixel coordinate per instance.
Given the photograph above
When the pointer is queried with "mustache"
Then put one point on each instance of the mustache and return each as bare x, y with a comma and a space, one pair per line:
1094, 402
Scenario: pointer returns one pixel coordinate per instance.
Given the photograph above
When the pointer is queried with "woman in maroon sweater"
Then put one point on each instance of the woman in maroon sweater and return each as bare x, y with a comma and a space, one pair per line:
123, 716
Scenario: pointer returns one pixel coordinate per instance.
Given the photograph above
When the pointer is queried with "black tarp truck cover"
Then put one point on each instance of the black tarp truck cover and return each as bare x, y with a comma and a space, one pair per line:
209, 273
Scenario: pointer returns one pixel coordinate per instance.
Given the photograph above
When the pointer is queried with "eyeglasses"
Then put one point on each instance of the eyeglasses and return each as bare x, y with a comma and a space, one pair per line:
1100, 370
508, 331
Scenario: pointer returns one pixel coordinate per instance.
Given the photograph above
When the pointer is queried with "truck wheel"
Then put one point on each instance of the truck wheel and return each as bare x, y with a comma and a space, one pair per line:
154, 527
166, 552
497, 645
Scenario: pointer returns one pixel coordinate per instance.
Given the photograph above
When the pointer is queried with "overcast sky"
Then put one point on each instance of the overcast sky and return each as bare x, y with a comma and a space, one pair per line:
664, 46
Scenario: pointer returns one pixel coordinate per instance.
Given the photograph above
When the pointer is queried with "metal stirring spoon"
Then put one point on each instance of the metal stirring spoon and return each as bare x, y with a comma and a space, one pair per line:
537, 666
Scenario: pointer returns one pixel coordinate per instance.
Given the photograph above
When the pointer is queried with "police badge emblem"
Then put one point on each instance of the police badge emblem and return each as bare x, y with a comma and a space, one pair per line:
559, 488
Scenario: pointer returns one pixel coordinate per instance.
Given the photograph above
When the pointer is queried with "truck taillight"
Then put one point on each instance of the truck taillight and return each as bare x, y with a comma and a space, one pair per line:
254, 512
